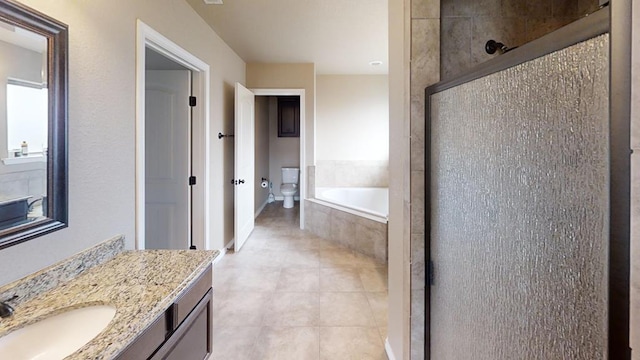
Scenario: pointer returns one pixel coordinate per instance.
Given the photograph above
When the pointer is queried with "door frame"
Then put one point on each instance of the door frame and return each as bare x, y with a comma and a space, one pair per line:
147, 37
303, 164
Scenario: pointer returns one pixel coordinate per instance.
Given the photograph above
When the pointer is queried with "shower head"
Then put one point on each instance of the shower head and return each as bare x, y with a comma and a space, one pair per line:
492, 46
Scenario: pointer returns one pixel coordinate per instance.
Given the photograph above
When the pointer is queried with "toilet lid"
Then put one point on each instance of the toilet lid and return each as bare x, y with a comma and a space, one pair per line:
288, 187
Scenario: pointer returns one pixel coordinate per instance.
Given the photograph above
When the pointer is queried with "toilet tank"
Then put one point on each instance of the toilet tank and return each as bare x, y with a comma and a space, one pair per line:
290, 175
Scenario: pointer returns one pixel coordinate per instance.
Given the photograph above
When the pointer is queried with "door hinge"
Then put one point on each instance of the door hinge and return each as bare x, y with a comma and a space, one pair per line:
430, 277
192, 180
192, 101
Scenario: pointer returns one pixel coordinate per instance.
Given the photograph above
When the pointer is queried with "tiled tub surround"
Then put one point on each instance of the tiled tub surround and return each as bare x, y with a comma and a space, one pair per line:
369, 202
355, 232
348, 173
140, 284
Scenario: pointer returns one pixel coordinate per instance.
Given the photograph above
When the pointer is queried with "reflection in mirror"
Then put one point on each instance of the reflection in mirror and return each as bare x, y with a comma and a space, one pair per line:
24, 116
33, 124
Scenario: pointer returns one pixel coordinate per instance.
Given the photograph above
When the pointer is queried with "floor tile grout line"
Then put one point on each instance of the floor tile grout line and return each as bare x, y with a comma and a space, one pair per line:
372, 311
360, 265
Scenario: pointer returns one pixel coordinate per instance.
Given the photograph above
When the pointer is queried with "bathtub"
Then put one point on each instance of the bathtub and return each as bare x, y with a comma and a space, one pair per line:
369, 202
353, 217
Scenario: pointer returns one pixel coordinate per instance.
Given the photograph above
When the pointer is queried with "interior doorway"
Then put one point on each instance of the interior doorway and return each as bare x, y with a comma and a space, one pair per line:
274, 175
168, 134
172, 145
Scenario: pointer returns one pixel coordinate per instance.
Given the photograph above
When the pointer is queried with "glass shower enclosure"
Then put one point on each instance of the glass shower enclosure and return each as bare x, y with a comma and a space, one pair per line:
527, 179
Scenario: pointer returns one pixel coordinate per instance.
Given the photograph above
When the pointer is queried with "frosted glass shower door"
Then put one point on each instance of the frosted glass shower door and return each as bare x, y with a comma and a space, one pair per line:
519, 200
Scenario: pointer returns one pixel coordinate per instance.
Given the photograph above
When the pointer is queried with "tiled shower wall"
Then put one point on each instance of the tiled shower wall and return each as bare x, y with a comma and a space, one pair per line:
468, 24
425, 71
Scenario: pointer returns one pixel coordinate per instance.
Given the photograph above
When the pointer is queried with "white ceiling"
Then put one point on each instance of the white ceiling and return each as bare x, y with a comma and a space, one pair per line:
24, 38
339, 36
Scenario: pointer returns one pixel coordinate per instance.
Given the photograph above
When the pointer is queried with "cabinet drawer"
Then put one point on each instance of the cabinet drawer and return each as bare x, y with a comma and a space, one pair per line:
187, 301
192, 339
148, 342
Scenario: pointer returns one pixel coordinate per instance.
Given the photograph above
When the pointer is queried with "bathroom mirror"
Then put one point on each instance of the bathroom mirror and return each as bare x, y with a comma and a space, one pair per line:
33, 118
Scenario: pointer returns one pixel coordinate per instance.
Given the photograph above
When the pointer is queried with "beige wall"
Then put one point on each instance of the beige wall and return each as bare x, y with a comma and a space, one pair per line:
352, 131
272, 152
261, 150
290, 76
283, 151
102, 53
352, 117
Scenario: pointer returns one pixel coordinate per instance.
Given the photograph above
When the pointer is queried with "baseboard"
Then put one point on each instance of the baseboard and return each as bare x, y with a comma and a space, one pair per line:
261, 208
224, 250
388, 350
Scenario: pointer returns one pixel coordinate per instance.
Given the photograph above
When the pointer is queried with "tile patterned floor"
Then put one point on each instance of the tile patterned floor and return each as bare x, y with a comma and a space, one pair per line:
291, 295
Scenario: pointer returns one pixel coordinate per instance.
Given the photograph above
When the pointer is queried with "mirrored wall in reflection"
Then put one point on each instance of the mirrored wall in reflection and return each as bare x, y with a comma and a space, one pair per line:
24, 116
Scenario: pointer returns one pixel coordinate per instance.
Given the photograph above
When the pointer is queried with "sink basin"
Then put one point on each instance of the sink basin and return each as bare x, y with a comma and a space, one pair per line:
57, 336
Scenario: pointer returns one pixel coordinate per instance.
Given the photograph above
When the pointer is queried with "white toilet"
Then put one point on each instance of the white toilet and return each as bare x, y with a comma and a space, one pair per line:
289, 185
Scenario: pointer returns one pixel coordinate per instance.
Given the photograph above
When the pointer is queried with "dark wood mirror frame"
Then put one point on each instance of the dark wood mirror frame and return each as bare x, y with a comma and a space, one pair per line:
56, 212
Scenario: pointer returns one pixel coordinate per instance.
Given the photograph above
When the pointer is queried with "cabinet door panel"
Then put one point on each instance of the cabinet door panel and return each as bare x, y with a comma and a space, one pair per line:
194, 343
289, 116
188, 301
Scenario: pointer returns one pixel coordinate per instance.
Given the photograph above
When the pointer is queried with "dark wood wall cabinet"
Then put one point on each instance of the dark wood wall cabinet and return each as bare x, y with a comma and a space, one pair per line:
183, 332
288, 116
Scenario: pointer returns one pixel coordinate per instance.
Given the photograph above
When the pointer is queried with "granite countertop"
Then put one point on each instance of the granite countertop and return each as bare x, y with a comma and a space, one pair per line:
141, 284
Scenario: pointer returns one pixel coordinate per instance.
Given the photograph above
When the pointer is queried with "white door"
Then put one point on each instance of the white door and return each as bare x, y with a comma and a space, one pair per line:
244, 166
167, 159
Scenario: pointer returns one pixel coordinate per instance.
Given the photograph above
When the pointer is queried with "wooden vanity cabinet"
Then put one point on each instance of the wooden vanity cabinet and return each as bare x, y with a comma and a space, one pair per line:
183, 331
192, 339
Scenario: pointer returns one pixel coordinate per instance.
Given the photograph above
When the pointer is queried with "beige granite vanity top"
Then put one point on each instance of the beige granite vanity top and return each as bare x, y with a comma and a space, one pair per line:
140, 284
